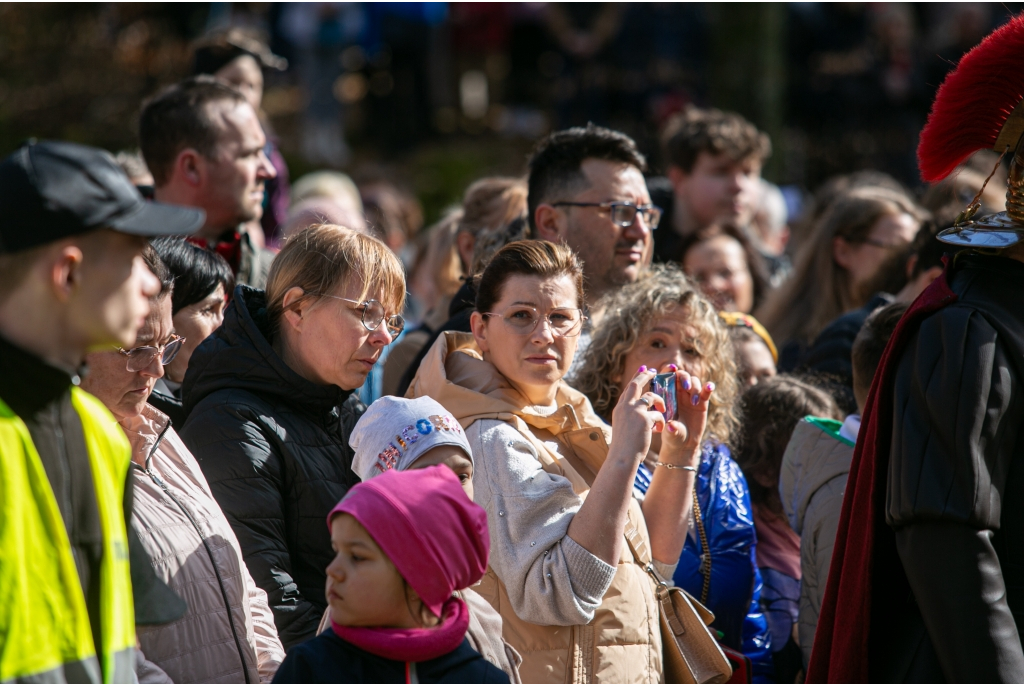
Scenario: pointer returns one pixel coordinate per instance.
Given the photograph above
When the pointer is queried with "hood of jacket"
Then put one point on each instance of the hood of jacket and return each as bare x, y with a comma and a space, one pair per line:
813, 457
455, 374
239, 355
145, 433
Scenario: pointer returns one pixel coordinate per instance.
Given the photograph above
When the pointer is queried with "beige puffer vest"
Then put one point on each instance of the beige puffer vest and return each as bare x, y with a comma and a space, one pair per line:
622, 644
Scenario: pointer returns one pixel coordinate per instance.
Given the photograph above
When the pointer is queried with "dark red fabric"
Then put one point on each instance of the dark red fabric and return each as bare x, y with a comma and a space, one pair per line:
230, 249
866, 571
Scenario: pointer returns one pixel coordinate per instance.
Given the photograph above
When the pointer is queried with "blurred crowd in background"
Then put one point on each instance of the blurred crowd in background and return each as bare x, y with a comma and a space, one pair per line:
432, 95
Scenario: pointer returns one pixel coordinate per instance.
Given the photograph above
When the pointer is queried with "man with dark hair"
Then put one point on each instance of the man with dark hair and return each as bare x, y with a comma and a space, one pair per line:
72, 279
205, 147
587, 190
714, 161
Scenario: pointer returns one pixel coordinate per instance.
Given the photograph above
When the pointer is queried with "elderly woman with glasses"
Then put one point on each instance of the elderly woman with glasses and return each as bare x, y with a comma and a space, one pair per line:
188, 539
576, 601
270, 404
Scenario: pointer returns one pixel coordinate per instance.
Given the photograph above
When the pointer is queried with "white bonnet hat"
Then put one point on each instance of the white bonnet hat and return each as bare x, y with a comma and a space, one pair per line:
395, 432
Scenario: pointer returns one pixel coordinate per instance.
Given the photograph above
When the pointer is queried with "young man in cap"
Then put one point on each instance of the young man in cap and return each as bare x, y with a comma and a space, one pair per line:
72, 279
205, 147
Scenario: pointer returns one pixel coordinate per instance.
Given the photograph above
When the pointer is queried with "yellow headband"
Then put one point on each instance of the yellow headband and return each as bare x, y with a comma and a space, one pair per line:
737, 319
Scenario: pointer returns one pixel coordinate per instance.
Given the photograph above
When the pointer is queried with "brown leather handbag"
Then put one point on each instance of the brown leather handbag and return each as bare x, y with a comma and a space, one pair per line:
691, 654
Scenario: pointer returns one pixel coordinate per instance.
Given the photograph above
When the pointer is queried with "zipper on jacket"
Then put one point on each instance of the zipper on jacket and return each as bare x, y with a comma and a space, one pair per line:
220, 581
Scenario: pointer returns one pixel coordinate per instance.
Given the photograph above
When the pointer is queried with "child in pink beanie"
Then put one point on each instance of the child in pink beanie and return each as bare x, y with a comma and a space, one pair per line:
405, 541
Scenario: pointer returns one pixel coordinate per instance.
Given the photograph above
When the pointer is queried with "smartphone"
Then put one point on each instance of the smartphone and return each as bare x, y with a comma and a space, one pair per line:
664, 385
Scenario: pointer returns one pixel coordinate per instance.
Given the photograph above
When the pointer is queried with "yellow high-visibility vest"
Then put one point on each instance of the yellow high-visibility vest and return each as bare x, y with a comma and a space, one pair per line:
45, 634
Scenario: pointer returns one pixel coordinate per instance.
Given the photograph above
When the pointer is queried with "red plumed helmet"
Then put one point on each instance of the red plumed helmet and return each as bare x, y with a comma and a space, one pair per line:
975, 102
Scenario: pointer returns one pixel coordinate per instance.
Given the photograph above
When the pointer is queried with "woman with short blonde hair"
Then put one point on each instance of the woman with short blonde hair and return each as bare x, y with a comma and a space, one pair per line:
270, 403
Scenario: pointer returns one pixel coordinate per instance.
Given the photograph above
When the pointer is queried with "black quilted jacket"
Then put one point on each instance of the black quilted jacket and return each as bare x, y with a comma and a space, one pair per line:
274, 448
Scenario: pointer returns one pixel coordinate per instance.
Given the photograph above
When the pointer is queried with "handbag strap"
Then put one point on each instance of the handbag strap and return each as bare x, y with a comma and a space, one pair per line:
705, 557
642, 553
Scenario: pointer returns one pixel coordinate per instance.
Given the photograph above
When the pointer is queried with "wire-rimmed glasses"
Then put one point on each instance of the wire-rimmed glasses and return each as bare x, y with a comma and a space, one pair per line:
566, 322
373, 315
623, 214
142, 357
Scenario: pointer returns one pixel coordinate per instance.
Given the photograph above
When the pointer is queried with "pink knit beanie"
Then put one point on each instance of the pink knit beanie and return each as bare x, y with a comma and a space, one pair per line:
422, 519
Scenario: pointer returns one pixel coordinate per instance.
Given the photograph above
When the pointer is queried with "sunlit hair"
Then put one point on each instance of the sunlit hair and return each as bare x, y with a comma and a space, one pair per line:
527, 258
492, 202
629, 314
819, 289
322, 258
439, 256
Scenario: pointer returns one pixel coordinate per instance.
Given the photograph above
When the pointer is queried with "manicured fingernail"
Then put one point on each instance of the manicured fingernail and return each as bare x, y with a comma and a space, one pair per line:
671, 428
642, 369
710, 387
686, 384
673, 367
694, 400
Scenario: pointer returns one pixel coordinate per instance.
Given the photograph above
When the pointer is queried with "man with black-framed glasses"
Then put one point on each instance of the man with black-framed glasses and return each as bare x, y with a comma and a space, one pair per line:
587, 190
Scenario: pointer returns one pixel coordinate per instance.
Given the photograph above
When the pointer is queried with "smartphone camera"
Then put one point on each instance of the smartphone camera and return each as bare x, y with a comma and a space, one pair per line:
664, 386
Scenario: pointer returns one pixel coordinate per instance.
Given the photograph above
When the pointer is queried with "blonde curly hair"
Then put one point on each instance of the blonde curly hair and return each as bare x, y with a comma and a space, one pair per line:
629, 313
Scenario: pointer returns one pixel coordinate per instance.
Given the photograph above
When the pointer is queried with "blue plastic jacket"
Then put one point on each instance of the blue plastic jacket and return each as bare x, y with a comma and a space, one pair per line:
734, 594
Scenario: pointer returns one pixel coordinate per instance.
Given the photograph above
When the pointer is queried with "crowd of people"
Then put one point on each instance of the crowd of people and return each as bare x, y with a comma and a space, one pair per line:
301, 449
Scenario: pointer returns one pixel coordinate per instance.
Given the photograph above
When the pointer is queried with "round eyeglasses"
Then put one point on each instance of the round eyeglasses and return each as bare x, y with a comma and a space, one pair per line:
623, 214
373, 315
566, 322
142, 357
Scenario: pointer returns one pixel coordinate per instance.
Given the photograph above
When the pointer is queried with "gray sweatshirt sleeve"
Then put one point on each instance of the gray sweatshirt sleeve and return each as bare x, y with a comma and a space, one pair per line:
550, 579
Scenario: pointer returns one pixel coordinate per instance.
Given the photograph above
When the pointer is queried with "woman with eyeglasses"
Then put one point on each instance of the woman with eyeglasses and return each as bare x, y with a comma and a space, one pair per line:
576, 602
202, 281
189, 541
270, 405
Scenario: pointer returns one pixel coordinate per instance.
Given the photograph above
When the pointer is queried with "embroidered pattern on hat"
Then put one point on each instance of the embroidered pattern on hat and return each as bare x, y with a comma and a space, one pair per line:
388, 459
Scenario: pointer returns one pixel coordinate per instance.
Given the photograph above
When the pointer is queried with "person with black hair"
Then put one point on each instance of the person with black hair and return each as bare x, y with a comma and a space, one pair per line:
205, 147
202, 280
902, 278
587, 190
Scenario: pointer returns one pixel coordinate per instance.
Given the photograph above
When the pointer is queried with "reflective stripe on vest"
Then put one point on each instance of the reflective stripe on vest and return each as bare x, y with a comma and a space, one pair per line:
45, 634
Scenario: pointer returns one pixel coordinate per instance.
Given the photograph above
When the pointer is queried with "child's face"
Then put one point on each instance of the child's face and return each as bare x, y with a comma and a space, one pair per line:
454, 458
755, 362
363, 587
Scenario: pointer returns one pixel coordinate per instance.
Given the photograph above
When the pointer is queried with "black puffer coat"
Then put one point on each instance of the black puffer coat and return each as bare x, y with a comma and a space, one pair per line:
274, 448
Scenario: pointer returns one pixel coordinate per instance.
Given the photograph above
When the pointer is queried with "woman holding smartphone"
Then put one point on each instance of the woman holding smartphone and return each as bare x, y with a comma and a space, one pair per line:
575, 601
